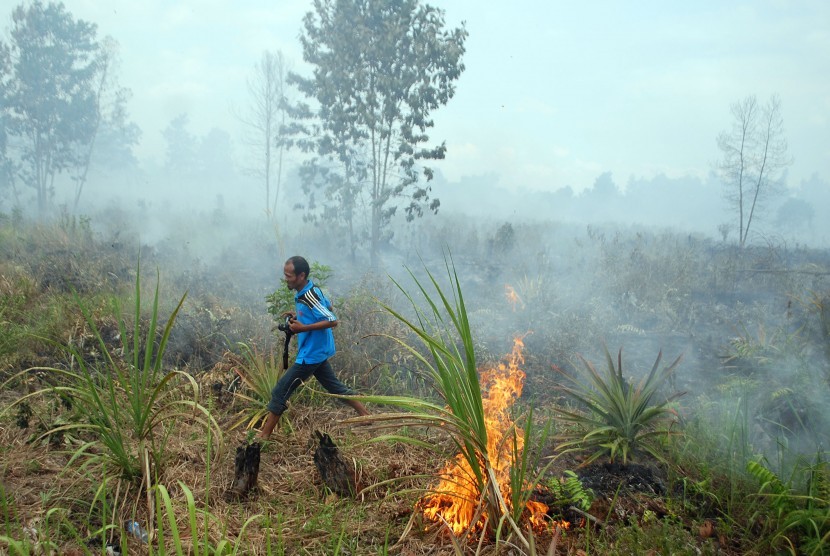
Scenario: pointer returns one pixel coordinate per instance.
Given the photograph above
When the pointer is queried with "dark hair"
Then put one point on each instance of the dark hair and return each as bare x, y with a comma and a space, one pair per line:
300, 265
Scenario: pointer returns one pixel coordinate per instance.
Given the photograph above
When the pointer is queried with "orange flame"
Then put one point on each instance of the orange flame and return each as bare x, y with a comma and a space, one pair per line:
456, 498
513, 297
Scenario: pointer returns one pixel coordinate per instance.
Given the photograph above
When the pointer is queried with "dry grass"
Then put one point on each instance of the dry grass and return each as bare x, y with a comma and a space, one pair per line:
304, 516
297, 514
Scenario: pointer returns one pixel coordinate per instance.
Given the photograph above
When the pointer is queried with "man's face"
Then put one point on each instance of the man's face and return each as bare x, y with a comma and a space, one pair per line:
293, 281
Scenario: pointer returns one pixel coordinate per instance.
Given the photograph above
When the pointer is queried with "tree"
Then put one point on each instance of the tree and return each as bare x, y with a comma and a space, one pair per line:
795, 215
181, 147
265, 120
50, 108
214, 158
380, 67
754, 158
116, 138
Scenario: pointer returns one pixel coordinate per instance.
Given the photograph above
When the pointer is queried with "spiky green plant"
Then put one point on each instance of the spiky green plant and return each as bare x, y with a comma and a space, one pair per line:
618, 420
522, 481
259, 374
125, 407
443, 329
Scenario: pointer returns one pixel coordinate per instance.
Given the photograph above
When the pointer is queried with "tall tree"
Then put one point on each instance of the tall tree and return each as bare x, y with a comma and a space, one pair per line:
214, 157
754, 158
51, 101
117, 137
380, 67
181, 147
264, 121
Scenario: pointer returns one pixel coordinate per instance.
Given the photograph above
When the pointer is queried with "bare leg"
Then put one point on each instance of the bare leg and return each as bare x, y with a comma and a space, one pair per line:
358, 407
268, 427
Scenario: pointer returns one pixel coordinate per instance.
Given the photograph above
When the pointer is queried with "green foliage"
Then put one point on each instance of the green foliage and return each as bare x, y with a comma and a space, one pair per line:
40, 268
380, 67
801, 519
259, 374
655, 536
282, 299
442, 326
452, 368
10, 333
569, 491
51, 103
709, 460
379, 363
196, 541
523, 480
127, 406
754, 351
620, 420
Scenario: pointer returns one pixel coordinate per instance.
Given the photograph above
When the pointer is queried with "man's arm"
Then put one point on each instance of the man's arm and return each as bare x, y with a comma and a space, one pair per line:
321, 308
297, 326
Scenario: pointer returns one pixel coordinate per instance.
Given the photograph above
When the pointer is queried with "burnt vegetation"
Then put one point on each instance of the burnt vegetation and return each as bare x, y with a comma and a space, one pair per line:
735, 466
536, 386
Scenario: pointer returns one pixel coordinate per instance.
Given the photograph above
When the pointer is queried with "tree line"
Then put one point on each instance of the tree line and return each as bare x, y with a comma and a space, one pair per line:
381, 67
360, 121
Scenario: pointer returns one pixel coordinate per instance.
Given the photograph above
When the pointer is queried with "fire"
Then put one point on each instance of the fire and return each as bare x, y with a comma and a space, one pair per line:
513, 297
456, 498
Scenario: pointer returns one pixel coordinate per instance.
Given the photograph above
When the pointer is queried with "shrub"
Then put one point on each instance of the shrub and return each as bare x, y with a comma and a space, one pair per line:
619, 420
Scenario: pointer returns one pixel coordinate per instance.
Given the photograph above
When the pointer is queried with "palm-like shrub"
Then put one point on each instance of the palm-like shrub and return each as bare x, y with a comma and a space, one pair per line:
442, 326
618, 420
259, 372
125, 405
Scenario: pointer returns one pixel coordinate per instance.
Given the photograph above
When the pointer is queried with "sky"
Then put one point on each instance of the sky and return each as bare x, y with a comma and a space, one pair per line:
554, 93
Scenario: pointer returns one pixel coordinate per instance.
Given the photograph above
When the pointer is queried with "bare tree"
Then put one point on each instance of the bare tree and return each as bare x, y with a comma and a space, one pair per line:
754, 158
264, 121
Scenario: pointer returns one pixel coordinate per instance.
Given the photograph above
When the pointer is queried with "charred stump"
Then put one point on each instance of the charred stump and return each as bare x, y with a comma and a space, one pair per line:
246, 471
337, 472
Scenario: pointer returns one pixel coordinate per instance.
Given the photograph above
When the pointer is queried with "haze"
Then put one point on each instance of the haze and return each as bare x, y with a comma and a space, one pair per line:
554, 94
585, 172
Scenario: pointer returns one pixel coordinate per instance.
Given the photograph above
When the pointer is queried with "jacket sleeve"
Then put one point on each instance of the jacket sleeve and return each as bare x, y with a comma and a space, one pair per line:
319, 305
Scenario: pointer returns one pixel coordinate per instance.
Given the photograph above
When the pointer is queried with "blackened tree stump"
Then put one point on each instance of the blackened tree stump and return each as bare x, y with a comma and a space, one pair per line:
246, 471
338, 473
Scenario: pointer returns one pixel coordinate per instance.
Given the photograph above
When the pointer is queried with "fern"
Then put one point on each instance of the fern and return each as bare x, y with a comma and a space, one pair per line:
569, 491
770, 483
803, 519
818, 486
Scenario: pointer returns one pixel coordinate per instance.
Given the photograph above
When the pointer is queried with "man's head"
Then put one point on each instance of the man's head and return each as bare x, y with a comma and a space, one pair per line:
296, 272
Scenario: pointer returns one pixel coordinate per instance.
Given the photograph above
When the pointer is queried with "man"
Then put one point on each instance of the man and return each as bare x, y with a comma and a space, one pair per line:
312, 323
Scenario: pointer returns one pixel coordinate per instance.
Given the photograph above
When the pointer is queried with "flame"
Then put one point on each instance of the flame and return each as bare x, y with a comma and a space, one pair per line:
513, 297
456, 498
